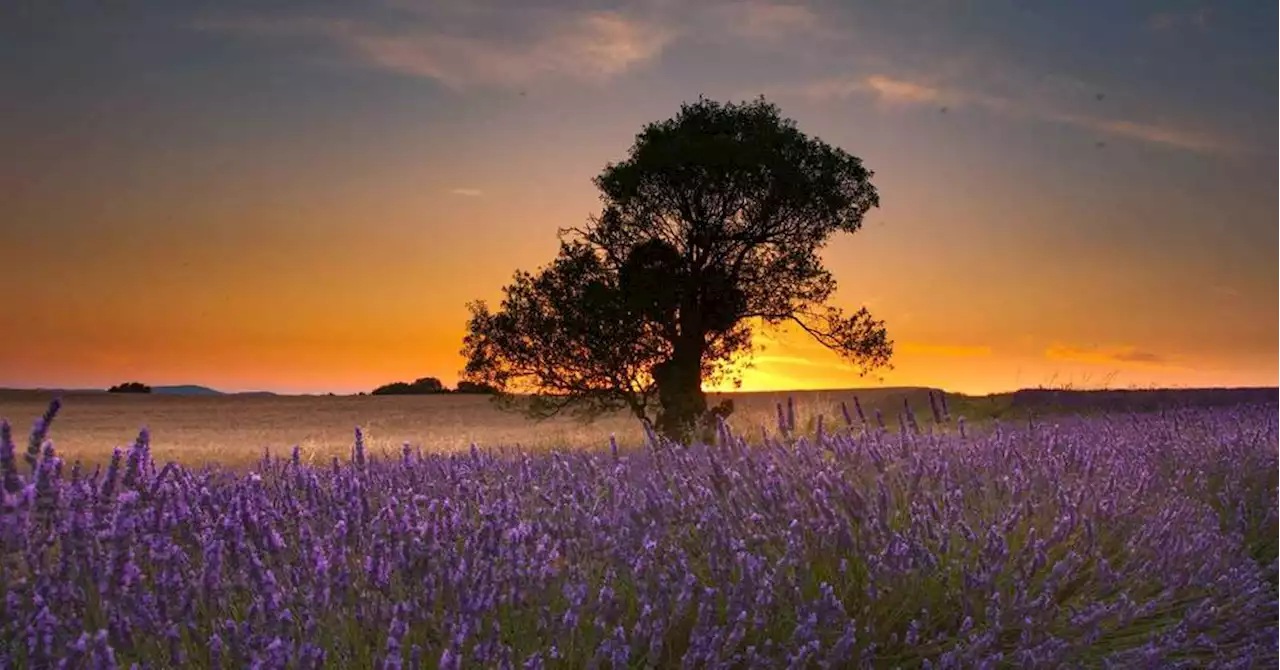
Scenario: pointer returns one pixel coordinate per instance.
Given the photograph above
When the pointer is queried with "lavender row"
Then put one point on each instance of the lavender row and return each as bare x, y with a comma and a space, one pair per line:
1121, 541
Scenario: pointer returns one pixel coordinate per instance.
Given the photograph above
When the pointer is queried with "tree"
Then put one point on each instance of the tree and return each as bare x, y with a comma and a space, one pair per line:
130, 387
477, 388
710, 228
424, 386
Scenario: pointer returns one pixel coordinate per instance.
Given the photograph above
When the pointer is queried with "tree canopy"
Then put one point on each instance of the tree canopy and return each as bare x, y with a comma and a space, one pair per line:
711, 228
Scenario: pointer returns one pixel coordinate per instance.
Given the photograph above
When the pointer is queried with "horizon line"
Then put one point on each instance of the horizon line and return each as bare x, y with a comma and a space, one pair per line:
448, 391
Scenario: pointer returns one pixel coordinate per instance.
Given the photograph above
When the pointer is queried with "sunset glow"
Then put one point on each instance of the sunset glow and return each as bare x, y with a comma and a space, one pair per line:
304, 199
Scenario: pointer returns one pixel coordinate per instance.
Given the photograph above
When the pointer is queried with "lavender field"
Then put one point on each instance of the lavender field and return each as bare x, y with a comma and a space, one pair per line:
1125, 540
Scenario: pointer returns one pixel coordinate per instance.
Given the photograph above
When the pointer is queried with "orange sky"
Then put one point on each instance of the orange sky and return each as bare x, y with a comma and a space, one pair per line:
272, 202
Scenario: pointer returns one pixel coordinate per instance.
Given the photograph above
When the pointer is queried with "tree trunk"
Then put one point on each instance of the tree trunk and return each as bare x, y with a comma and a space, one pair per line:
680, 393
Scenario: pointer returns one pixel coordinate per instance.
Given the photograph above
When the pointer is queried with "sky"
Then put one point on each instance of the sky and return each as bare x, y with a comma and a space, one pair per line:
302, 196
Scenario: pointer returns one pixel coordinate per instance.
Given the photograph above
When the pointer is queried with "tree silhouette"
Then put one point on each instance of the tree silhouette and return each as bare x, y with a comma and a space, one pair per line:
473, 387
710, 227
424, 386
130, 387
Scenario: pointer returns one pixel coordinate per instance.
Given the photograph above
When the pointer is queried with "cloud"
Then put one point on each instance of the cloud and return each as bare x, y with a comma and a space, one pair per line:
895, 91
802, 344
948, 350
1152, 134
1104, 355
770, 21
797, 361
507, 43
1138, 356
899, 91
585, 46
467, 192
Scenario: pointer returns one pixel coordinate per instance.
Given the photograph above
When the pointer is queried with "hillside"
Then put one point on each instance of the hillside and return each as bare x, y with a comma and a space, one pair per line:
185, 389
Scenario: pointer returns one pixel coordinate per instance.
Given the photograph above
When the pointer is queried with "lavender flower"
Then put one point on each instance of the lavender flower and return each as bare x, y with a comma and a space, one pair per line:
1092, 542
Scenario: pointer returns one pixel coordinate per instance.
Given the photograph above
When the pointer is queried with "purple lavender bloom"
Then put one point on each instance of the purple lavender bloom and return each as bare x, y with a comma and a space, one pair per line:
40, 431
990, 548
8, 464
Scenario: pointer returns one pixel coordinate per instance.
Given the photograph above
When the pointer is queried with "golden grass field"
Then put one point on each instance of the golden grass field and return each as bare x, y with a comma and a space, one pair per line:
233, 429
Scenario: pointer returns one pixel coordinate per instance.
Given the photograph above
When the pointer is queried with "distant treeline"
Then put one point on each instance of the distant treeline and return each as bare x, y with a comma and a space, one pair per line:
130, 387
430, 386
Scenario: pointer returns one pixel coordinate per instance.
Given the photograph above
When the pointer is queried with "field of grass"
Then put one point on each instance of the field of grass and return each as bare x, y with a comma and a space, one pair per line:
235, 429
231, 429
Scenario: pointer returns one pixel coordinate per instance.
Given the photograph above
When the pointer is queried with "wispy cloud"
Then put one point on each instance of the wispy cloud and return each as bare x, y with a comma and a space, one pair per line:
467, 192
771, 22
1139, 356
900, 91
591, 46
896, 91
1153, 134
512, 44
804, 352
782, 360
1108, 355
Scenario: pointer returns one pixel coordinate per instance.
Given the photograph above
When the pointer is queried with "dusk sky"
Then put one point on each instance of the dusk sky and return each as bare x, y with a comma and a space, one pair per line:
302, 196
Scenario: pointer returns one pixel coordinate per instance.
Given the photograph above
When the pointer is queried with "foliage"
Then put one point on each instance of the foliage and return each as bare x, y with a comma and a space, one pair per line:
711, 228
563, 334
1117, 541
431, 386
424, 386
130, 387
465, 386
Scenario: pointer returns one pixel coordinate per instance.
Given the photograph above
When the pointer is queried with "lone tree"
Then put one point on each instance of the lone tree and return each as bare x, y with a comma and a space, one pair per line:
710, 227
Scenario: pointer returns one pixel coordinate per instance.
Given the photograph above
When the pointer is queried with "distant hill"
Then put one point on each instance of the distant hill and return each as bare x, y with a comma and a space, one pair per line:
197, 390
185, 389
194, 390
